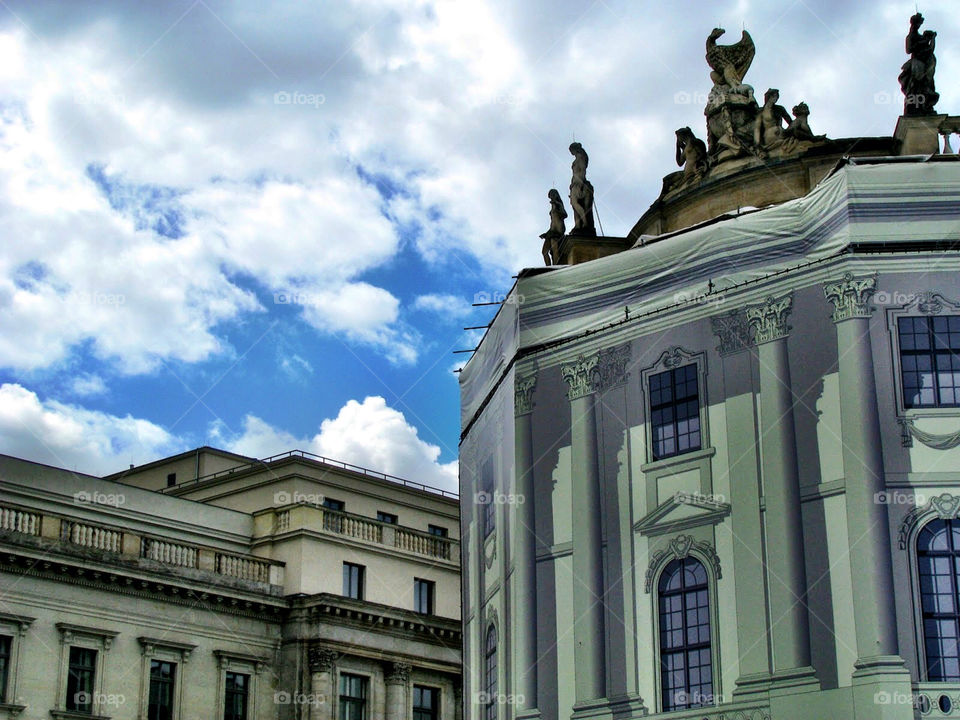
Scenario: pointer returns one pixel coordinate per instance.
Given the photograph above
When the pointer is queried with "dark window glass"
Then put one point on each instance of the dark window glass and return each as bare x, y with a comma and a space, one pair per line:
5, 643
330, 521
686, 675
938, 564
237, 696
171, 479
489, 508
353, 697
490, 676
437, 530
80, 674
332, 504
426, 703
930, 361
353, 581
675, 411
423, 596
386, 517
162, 677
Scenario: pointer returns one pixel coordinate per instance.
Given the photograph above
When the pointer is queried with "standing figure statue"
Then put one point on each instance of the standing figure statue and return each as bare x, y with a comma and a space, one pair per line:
916, 75
691, 155
768, 127
581, 193
558, 228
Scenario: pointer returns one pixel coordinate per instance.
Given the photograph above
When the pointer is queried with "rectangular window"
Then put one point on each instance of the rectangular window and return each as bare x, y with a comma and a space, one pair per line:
332, 522
488, 507
423, 596
353, 697
426, 703
236, 696
332, 504
437, 530
675, 411
171, 479
162, 678
930, 361
386, 517
353, 581
80, 676
5, 643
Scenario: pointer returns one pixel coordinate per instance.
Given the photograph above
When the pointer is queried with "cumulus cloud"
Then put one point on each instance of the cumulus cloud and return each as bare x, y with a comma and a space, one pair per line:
75, 438
449, 306
368, 433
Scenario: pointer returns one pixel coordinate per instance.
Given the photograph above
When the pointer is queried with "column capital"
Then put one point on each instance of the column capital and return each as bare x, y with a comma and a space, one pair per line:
768, 319
850, 296
580, 376
612, 367
523, 388
397, 673
322, 659
733, 330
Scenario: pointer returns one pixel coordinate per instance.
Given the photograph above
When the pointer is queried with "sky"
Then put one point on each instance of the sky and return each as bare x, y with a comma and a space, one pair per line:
263, 226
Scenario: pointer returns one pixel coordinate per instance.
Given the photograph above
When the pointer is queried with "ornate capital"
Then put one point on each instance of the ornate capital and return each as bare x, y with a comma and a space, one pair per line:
397, 673
733, 330
523, 394
612, 367
580, 376
679, 548
850, 296
322, 659
768, 320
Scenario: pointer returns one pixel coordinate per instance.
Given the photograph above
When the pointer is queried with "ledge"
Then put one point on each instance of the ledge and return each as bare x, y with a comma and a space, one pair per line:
71, 715
690, 457
11, 709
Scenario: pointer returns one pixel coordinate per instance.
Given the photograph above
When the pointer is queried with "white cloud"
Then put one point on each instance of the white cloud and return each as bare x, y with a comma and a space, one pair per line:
450, 306
88, 385
75, 438
369, 433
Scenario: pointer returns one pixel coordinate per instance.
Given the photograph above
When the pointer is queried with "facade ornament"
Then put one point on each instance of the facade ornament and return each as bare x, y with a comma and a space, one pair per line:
929, 303
731, 108
558, 228
944, 506
580, 375
799, 128
691, 156
729, 63
322, 659
768, 128
850, 296
674, 357
917, 74
733, 330
523, 388
679, 548
768, 320
581, 193
398, 673
612, 367
910, 431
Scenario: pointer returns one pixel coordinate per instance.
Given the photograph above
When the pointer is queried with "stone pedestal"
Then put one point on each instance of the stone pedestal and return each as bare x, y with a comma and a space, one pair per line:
919, 134
737, 103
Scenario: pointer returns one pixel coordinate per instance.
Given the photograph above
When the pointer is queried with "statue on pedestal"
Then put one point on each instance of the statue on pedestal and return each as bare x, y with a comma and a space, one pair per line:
916, 75
799, 128
731, 102
581, 193
729, 63
691, 155
558, 228
768, 128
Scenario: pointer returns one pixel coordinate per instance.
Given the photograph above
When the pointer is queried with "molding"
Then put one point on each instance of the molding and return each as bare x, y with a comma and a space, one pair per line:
14, 710
931, 440
768, 320
227, 659
68, 631
612, 367
148, 646
733, 330
321, 659
693, 457
21, 621
580, 375
669, 359
397, 673
944, 506
680, 547
658, 522
850, 296
523, 388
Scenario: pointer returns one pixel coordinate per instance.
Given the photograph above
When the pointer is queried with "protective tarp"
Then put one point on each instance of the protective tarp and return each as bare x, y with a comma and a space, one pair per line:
497, 348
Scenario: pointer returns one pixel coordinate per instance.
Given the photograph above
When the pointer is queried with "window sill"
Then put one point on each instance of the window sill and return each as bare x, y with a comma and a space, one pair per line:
71, 715
11, 710
689, 457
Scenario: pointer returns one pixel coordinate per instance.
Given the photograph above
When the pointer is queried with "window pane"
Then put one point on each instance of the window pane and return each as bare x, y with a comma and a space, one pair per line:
938, 565
160, 701
5, 644
686, 673
80, 676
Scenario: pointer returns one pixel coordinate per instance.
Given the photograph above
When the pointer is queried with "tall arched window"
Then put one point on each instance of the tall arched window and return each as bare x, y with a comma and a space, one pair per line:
490, 675
686, 675
938, 566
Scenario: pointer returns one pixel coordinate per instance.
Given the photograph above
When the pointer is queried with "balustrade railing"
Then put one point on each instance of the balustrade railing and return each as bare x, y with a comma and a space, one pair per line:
21, 521
169, 553
91, 536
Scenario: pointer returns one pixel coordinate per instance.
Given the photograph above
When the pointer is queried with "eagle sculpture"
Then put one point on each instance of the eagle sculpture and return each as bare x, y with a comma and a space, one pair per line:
729, 62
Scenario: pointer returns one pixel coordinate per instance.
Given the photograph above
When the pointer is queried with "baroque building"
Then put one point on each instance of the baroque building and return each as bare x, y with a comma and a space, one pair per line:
210, 584
710, 468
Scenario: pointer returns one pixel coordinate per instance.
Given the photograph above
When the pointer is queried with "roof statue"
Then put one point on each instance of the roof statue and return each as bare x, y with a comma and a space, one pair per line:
691, 155
729, 62
916, 75
799, 128
581, 193
558, 228
769, 126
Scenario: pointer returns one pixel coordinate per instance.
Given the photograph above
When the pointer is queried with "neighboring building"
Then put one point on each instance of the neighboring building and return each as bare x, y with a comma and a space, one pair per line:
211, 584
715, 475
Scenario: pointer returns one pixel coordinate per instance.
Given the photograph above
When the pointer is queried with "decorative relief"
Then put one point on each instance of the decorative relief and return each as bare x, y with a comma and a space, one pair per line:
523, 394
768, 320
397, 673
679, 548
580, 375
733, 330
850, 296
612, 367
930, 303
322, 659
937, 442
944, 506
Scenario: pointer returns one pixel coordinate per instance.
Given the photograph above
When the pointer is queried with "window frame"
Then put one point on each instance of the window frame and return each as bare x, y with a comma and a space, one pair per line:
491, 679
162, 650
89, 673
433, 713
672, 359
954, 555
365, 698
488, 510
80, 636
388, 518
360, 580
243, 664
431, 591
14, 627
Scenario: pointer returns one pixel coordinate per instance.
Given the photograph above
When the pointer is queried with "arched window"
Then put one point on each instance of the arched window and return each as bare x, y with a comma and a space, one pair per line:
938, 567
490, 675
686, 675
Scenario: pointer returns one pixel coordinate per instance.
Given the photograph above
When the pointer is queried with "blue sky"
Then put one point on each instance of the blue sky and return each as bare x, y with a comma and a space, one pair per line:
262, 227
